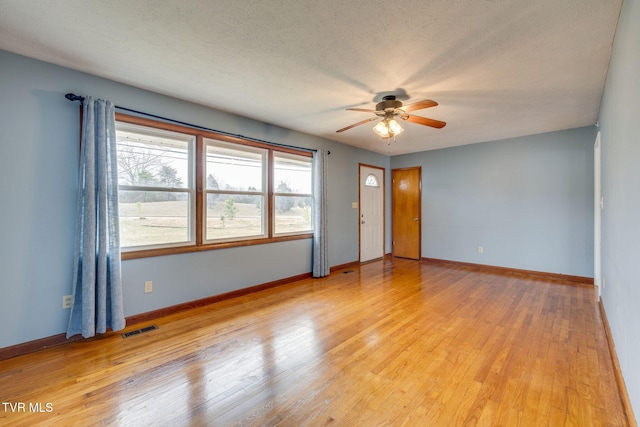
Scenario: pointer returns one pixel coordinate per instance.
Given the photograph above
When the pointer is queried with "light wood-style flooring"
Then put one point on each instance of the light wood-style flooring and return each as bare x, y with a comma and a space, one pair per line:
392, 342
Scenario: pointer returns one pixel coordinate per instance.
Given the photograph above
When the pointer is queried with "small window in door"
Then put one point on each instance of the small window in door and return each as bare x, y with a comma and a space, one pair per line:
371, 181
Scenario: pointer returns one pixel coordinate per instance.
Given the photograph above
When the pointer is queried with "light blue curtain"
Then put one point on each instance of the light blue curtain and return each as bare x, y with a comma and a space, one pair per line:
97, 282
320, 245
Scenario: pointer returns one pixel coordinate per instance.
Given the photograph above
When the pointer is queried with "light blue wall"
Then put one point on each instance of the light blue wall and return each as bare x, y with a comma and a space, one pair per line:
527, 201
620, 127
38, 174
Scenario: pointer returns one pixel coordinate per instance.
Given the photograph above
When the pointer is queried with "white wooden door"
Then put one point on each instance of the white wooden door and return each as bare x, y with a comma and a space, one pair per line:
371, 213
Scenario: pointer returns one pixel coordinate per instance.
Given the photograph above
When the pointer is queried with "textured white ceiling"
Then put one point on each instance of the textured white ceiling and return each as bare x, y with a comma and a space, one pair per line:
498, 68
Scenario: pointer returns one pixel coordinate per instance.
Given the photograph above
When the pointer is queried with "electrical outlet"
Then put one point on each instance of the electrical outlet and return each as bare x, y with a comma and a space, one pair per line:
67, 300
148, 287
480, 250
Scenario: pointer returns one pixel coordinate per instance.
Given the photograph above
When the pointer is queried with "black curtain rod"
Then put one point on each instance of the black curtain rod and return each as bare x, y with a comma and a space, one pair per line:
74, 97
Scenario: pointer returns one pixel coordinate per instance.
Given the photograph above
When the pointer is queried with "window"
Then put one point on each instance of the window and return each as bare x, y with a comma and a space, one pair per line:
293, 198
371, 181
236, 191
156, 191
183, 190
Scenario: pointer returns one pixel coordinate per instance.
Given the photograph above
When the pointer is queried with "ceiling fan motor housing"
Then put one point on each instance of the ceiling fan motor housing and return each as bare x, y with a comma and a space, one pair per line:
389, 103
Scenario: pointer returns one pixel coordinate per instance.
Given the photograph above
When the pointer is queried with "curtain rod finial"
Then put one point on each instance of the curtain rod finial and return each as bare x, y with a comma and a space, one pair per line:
74, 97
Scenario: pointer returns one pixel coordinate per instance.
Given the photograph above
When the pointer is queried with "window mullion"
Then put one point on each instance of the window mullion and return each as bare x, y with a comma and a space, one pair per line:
247, 193
271, 197
293, 194
200, 185
125, 187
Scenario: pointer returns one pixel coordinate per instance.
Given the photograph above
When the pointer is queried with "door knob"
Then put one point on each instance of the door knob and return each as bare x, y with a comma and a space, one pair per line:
415, 219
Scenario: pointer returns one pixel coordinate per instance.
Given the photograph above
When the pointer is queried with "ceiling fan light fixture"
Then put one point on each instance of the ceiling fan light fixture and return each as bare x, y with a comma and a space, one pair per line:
388, 128
382, 129
394, 127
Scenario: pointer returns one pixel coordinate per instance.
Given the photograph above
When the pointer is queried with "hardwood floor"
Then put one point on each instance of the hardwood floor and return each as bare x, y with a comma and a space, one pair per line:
393, 342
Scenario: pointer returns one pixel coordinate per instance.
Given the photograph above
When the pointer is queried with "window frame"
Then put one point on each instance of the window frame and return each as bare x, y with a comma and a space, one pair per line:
189, 189
199, 225
291, 194
264, 160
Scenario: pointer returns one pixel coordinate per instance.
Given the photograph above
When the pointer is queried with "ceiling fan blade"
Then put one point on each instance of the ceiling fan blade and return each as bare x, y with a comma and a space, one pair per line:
358, 124
425, 121
426, 103
361, 109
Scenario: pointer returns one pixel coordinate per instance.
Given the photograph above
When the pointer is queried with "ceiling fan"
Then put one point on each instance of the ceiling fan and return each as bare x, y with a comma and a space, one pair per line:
391, 109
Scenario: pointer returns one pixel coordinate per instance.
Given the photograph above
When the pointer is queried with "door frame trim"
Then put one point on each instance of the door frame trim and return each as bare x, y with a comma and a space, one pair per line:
597, 214
384, 209
419, 168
